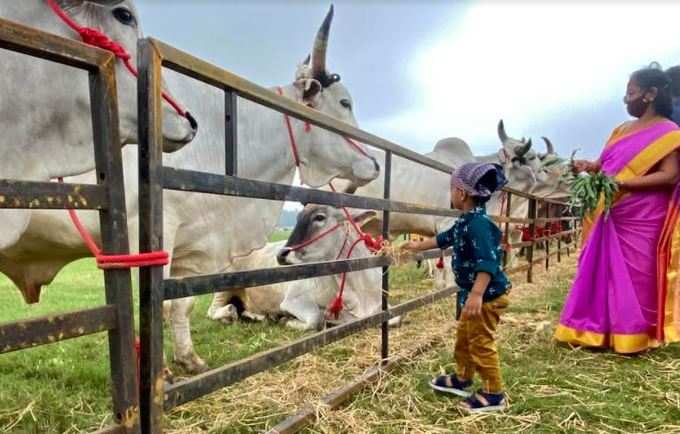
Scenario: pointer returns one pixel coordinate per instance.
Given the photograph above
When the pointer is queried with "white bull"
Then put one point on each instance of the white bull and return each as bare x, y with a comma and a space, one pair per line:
204, 233
45, 113
306, 300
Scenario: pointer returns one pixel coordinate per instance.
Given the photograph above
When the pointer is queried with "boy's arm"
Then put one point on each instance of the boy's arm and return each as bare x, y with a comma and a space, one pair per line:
473, 305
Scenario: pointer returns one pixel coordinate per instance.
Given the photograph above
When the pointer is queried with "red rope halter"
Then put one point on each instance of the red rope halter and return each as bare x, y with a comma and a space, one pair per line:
373, 244
98, 39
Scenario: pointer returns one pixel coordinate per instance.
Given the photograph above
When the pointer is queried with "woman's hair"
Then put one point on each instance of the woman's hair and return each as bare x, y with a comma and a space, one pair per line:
673, 74
653, 76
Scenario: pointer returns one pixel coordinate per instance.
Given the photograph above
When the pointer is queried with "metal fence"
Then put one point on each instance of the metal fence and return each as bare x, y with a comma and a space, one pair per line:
107, 196
154, 178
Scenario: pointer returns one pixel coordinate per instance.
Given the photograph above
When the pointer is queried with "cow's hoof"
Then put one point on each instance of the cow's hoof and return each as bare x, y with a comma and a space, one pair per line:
193, 365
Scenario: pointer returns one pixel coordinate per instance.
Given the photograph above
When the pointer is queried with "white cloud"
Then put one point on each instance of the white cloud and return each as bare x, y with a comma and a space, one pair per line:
526, 62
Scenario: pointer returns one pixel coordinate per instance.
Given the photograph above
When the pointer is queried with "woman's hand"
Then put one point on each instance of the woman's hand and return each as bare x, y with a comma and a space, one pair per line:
585, 166
473, 306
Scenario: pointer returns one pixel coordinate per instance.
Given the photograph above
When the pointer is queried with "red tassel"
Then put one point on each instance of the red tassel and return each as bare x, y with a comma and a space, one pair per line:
440, 263
335, 307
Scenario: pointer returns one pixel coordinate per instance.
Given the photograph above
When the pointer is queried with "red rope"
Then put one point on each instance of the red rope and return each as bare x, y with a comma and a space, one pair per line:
107, 262
440, 262
373, 244
98, 39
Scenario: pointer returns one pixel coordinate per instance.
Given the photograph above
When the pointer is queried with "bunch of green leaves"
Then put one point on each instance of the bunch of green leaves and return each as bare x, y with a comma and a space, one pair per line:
587, 189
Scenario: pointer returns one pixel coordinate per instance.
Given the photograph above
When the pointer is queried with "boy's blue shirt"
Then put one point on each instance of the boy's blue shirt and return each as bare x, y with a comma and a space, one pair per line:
476, 243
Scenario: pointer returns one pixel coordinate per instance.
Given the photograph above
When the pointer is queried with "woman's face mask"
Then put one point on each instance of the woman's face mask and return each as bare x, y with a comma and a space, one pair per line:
636, 100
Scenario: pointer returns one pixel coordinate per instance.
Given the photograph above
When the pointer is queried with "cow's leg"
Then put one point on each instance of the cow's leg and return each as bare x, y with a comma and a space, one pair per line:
184, 353
307, 314
226, 314
220, 300
180, 309
253, 316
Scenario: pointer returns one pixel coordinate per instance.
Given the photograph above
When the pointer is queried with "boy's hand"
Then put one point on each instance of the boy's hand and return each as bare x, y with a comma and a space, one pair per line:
473, 306
410, 245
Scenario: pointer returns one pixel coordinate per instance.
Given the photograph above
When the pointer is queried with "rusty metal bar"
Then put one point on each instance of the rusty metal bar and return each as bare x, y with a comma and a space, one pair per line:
196, 68
337, 397
385, 333
230, 133
51, 195
48, 329
532, 229
201, 182
150, 237
202, 384
207, 284
113, 223
36, 43
508, 247
547, 242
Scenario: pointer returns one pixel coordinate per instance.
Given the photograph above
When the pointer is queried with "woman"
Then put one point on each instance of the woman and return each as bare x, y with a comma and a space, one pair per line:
625, 293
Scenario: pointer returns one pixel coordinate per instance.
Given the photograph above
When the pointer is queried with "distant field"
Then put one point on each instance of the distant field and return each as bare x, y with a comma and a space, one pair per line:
280, 235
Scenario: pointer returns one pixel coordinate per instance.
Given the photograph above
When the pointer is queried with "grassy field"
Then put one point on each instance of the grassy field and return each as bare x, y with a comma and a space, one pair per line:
63, 388
280, 235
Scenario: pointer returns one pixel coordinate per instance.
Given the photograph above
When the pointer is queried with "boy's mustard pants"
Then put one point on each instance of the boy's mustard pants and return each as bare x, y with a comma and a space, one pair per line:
476, 350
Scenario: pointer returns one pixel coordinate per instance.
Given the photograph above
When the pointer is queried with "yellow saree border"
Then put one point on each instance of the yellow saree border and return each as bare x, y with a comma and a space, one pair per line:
625, 344
667, 276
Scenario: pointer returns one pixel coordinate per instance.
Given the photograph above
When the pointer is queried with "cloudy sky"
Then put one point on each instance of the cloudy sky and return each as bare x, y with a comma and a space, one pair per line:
422, 70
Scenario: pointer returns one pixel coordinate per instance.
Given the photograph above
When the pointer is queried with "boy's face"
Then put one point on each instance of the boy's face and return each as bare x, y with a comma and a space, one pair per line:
458, 197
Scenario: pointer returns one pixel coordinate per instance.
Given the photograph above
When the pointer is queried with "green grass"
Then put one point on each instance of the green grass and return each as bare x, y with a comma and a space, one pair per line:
280, 235
552, 388
64, 387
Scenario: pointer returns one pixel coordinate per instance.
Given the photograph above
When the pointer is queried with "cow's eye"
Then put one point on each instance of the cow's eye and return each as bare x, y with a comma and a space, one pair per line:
124, 16
319, 218
346, 104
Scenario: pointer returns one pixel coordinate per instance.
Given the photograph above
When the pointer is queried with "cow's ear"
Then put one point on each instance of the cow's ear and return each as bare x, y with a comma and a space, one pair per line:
364, 217
308, 90
503, 156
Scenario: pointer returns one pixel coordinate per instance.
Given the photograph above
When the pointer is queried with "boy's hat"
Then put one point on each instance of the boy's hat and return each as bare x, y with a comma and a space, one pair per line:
479, 179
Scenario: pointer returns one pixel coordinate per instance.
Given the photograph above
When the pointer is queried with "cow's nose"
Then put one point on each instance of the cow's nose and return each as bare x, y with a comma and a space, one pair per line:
282, 256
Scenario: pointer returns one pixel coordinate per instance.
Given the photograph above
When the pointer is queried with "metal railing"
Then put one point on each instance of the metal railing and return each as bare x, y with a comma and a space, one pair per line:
154, 178
108, 197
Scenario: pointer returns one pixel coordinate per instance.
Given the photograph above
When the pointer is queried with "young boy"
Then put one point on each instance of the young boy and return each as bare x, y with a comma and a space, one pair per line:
483, 294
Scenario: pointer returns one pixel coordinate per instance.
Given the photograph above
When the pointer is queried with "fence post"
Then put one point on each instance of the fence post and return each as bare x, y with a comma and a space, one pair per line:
150, 238
559, 240
230, 132
508, 249
113, 221
532, 231
386, 270
548, 224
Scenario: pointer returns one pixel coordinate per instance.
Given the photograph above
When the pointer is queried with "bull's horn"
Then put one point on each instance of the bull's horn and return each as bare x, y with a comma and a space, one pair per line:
307, 59
520, 151
548, 145
321, 45
501, 132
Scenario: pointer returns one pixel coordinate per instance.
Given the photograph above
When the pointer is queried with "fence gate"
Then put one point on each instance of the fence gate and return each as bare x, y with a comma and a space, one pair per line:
107, 196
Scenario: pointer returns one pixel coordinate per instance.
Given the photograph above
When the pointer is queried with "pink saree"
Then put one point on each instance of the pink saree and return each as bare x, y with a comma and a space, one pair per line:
624, 295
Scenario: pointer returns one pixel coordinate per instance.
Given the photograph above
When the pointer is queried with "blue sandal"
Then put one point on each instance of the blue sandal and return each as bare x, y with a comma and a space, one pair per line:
451, 384
484, 402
